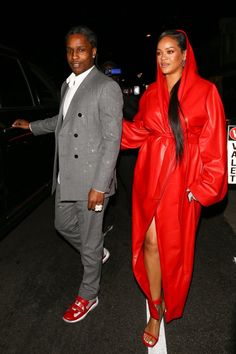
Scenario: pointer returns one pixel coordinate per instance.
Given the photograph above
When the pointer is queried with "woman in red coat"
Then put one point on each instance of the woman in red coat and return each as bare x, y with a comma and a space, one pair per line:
180, 130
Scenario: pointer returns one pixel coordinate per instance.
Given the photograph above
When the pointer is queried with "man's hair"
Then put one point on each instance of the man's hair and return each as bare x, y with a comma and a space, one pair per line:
85, 31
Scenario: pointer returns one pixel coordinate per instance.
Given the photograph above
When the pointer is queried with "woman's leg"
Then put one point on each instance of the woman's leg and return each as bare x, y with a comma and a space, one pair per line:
152, 261
153, 269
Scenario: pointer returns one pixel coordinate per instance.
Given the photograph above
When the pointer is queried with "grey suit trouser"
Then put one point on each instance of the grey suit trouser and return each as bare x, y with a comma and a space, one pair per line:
82, 228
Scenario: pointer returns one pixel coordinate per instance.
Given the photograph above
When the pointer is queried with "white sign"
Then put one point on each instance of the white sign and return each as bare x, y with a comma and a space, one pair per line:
232, 154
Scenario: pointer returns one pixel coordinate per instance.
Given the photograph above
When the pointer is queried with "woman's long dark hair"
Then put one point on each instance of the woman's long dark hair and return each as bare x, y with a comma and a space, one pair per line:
174, 108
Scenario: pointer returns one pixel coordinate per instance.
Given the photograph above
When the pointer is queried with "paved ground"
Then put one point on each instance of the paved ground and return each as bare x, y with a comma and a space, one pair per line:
40, 274
230, 210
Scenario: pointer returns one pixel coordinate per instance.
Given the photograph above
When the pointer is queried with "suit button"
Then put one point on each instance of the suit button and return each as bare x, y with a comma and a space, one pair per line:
76, 156
79, 114
76, 135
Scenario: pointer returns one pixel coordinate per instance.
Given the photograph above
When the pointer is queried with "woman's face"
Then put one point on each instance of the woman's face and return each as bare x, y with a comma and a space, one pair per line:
170, 57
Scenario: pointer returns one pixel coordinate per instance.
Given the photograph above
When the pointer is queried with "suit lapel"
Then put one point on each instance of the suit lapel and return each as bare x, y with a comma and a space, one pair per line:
83, 86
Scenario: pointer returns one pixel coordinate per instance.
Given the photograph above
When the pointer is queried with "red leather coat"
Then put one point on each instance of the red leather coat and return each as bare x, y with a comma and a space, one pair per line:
160, 184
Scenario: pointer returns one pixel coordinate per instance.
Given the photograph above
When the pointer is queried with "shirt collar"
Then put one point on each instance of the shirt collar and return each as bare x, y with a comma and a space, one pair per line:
74, 79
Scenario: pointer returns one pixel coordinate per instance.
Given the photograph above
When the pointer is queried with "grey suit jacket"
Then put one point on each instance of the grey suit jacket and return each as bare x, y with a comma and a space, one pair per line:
87, 140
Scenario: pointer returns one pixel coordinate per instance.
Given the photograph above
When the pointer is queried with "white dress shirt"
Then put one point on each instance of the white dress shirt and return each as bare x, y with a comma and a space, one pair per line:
73, 82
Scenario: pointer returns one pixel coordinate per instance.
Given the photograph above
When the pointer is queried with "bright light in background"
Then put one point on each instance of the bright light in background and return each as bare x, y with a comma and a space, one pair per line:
148, 35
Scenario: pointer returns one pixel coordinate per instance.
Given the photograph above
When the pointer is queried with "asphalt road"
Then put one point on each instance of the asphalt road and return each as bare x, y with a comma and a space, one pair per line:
40, 274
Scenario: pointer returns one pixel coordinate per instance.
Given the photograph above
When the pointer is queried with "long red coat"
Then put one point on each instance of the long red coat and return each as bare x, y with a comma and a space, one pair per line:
160, 184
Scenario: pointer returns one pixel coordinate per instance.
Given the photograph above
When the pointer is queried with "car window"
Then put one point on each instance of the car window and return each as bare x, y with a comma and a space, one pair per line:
44, 88
13, 85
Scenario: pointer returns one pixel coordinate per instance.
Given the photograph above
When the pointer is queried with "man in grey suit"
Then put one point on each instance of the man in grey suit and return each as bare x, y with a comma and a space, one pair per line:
87, 142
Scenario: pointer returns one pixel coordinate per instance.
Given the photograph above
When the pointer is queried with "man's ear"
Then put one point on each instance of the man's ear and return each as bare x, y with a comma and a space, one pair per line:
94, 52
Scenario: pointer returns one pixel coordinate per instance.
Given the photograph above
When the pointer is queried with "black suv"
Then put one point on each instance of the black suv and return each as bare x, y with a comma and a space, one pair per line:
26, 160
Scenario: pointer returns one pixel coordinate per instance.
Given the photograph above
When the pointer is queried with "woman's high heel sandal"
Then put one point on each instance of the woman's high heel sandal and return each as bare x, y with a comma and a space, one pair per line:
156, 311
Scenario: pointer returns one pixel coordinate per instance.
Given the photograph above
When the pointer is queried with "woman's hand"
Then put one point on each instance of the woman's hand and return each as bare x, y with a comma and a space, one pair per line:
190, 195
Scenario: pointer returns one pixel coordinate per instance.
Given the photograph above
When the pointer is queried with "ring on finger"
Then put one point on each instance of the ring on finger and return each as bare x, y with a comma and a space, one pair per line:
98, 207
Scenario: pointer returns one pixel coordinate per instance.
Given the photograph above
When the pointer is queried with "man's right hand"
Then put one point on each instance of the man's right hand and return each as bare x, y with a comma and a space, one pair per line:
21, 123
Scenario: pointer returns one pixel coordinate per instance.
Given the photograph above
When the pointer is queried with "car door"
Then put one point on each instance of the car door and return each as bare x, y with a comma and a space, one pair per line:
26, 160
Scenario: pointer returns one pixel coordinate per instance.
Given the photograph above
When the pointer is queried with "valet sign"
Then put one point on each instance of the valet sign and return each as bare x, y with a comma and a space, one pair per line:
232, 154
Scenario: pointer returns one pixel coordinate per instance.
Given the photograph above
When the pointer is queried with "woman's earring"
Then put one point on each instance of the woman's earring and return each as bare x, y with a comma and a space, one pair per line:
183, 63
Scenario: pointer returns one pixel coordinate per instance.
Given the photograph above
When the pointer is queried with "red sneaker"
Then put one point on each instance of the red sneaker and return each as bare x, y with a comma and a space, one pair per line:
79, 309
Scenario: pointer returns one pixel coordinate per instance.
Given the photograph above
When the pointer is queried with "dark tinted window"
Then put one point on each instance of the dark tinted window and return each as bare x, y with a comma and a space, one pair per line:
44, 88
13, 86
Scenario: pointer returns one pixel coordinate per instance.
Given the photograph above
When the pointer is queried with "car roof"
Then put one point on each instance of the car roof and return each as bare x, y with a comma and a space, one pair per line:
7, 50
